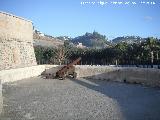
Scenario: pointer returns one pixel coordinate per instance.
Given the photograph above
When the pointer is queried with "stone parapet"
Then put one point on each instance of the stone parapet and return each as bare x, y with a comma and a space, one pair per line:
144, 76
21, 73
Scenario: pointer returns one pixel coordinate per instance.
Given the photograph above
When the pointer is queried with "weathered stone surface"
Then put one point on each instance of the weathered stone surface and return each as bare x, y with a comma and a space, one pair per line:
16, 42
13, 27
21, 73
145, 76
1, 98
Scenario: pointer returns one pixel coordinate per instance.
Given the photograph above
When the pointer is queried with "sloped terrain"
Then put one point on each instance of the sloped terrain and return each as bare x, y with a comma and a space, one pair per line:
46, 41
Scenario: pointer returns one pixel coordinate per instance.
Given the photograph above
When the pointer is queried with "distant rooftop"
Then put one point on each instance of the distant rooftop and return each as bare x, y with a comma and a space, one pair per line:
9, 14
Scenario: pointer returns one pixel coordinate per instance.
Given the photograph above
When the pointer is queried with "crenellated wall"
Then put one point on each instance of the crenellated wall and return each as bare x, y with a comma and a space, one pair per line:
16, 42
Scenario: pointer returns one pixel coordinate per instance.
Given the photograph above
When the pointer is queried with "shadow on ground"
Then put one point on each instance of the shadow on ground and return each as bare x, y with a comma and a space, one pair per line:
136, 102
70, 99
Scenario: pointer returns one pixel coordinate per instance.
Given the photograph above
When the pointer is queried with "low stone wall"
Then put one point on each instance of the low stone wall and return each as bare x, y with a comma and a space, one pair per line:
21, 73
145, 76
1, 98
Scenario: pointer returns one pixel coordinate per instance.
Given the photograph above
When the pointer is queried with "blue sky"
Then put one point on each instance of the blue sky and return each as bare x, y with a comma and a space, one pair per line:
70, 18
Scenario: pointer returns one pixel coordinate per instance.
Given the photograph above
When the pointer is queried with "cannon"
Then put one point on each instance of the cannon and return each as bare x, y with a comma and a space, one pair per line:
68, 70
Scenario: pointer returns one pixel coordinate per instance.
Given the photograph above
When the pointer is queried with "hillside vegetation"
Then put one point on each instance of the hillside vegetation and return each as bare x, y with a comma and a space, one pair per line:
129, 39
146, 52
46, 41
94, 40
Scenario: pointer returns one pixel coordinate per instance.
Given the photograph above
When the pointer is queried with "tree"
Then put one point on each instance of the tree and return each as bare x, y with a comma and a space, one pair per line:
122, 50
61, 54
43, 54
151, 46
38, 53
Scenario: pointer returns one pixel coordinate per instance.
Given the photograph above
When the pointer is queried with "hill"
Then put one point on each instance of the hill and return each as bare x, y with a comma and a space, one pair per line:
128, 39
94, 40
46, 41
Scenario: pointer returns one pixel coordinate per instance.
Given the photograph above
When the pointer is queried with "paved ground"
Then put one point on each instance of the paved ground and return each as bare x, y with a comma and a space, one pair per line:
41, 99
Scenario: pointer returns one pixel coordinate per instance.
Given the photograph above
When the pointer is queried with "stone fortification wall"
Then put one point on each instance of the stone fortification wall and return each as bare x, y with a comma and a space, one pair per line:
12, 75
145, 76
1, 98
16, 42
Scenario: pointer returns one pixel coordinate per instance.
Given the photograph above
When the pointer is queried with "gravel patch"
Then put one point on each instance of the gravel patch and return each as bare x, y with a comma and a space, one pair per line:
79, 99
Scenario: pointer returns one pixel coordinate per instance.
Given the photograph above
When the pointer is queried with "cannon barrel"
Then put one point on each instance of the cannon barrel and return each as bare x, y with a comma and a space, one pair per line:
63, 71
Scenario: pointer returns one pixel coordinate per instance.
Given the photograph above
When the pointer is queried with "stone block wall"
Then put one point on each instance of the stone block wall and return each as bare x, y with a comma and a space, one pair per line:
1, 98
12, 75
16, 42
144, 76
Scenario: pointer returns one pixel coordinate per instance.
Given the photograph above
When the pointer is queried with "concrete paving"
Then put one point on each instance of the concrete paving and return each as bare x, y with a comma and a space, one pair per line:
81, 99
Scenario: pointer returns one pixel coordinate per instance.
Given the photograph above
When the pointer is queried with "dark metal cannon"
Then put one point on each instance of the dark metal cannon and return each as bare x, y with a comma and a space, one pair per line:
68, 70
